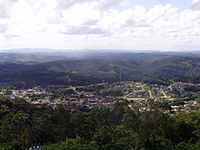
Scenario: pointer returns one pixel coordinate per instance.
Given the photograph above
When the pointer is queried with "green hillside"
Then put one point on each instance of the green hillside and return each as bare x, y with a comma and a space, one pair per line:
178, 68
110, 68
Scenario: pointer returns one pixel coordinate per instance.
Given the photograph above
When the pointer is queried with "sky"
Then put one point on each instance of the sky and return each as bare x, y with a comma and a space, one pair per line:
100, 24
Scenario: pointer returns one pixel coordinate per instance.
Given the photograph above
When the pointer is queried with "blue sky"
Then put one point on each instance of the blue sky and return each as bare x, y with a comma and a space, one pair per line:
182, 4
100, 24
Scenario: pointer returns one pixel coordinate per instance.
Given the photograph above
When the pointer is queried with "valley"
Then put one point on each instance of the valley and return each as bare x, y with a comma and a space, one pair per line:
175, 98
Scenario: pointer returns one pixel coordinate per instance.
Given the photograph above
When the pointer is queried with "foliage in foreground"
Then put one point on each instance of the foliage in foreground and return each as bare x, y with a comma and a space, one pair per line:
23, 125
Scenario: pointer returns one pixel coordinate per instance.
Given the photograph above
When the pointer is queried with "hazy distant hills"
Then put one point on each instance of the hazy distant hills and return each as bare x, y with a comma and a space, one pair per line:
47, 55
29, 58
33, 69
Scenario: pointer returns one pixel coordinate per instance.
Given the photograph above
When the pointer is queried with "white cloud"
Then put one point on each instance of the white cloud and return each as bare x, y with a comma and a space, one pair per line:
90, 22
102, 4
3, 28
196, 5
6, 7
83, 29
97, 24
65, 4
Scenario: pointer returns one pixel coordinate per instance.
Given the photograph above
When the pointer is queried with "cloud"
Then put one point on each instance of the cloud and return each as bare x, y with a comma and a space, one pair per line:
90, 22
3, 28
6, 7
116, 24
83, 29
65, 4
136, 24
195, 5
104, 4
101, 4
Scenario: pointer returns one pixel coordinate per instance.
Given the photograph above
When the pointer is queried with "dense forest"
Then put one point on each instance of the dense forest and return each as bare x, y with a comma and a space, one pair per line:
120, 128
161, 68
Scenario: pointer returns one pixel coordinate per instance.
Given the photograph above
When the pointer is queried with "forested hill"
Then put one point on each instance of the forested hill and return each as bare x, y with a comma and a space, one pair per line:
147, 67
175, 68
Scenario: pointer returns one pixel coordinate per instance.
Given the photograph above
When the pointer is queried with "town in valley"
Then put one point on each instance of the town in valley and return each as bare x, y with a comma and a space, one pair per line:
177, 97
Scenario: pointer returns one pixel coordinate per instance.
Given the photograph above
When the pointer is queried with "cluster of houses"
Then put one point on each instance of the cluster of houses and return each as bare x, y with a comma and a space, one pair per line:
27, 93
133, 92
181, 86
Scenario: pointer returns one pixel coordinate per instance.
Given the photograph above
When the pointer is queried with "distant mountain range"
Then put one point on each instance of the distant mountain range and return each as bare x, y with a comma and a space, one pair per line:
80, 68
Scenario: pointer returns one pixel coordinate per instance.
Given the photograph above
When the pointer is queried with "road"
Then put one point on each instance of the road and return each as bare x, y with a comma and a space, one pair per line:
151, 96
142, 87
73, 88
165, 96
